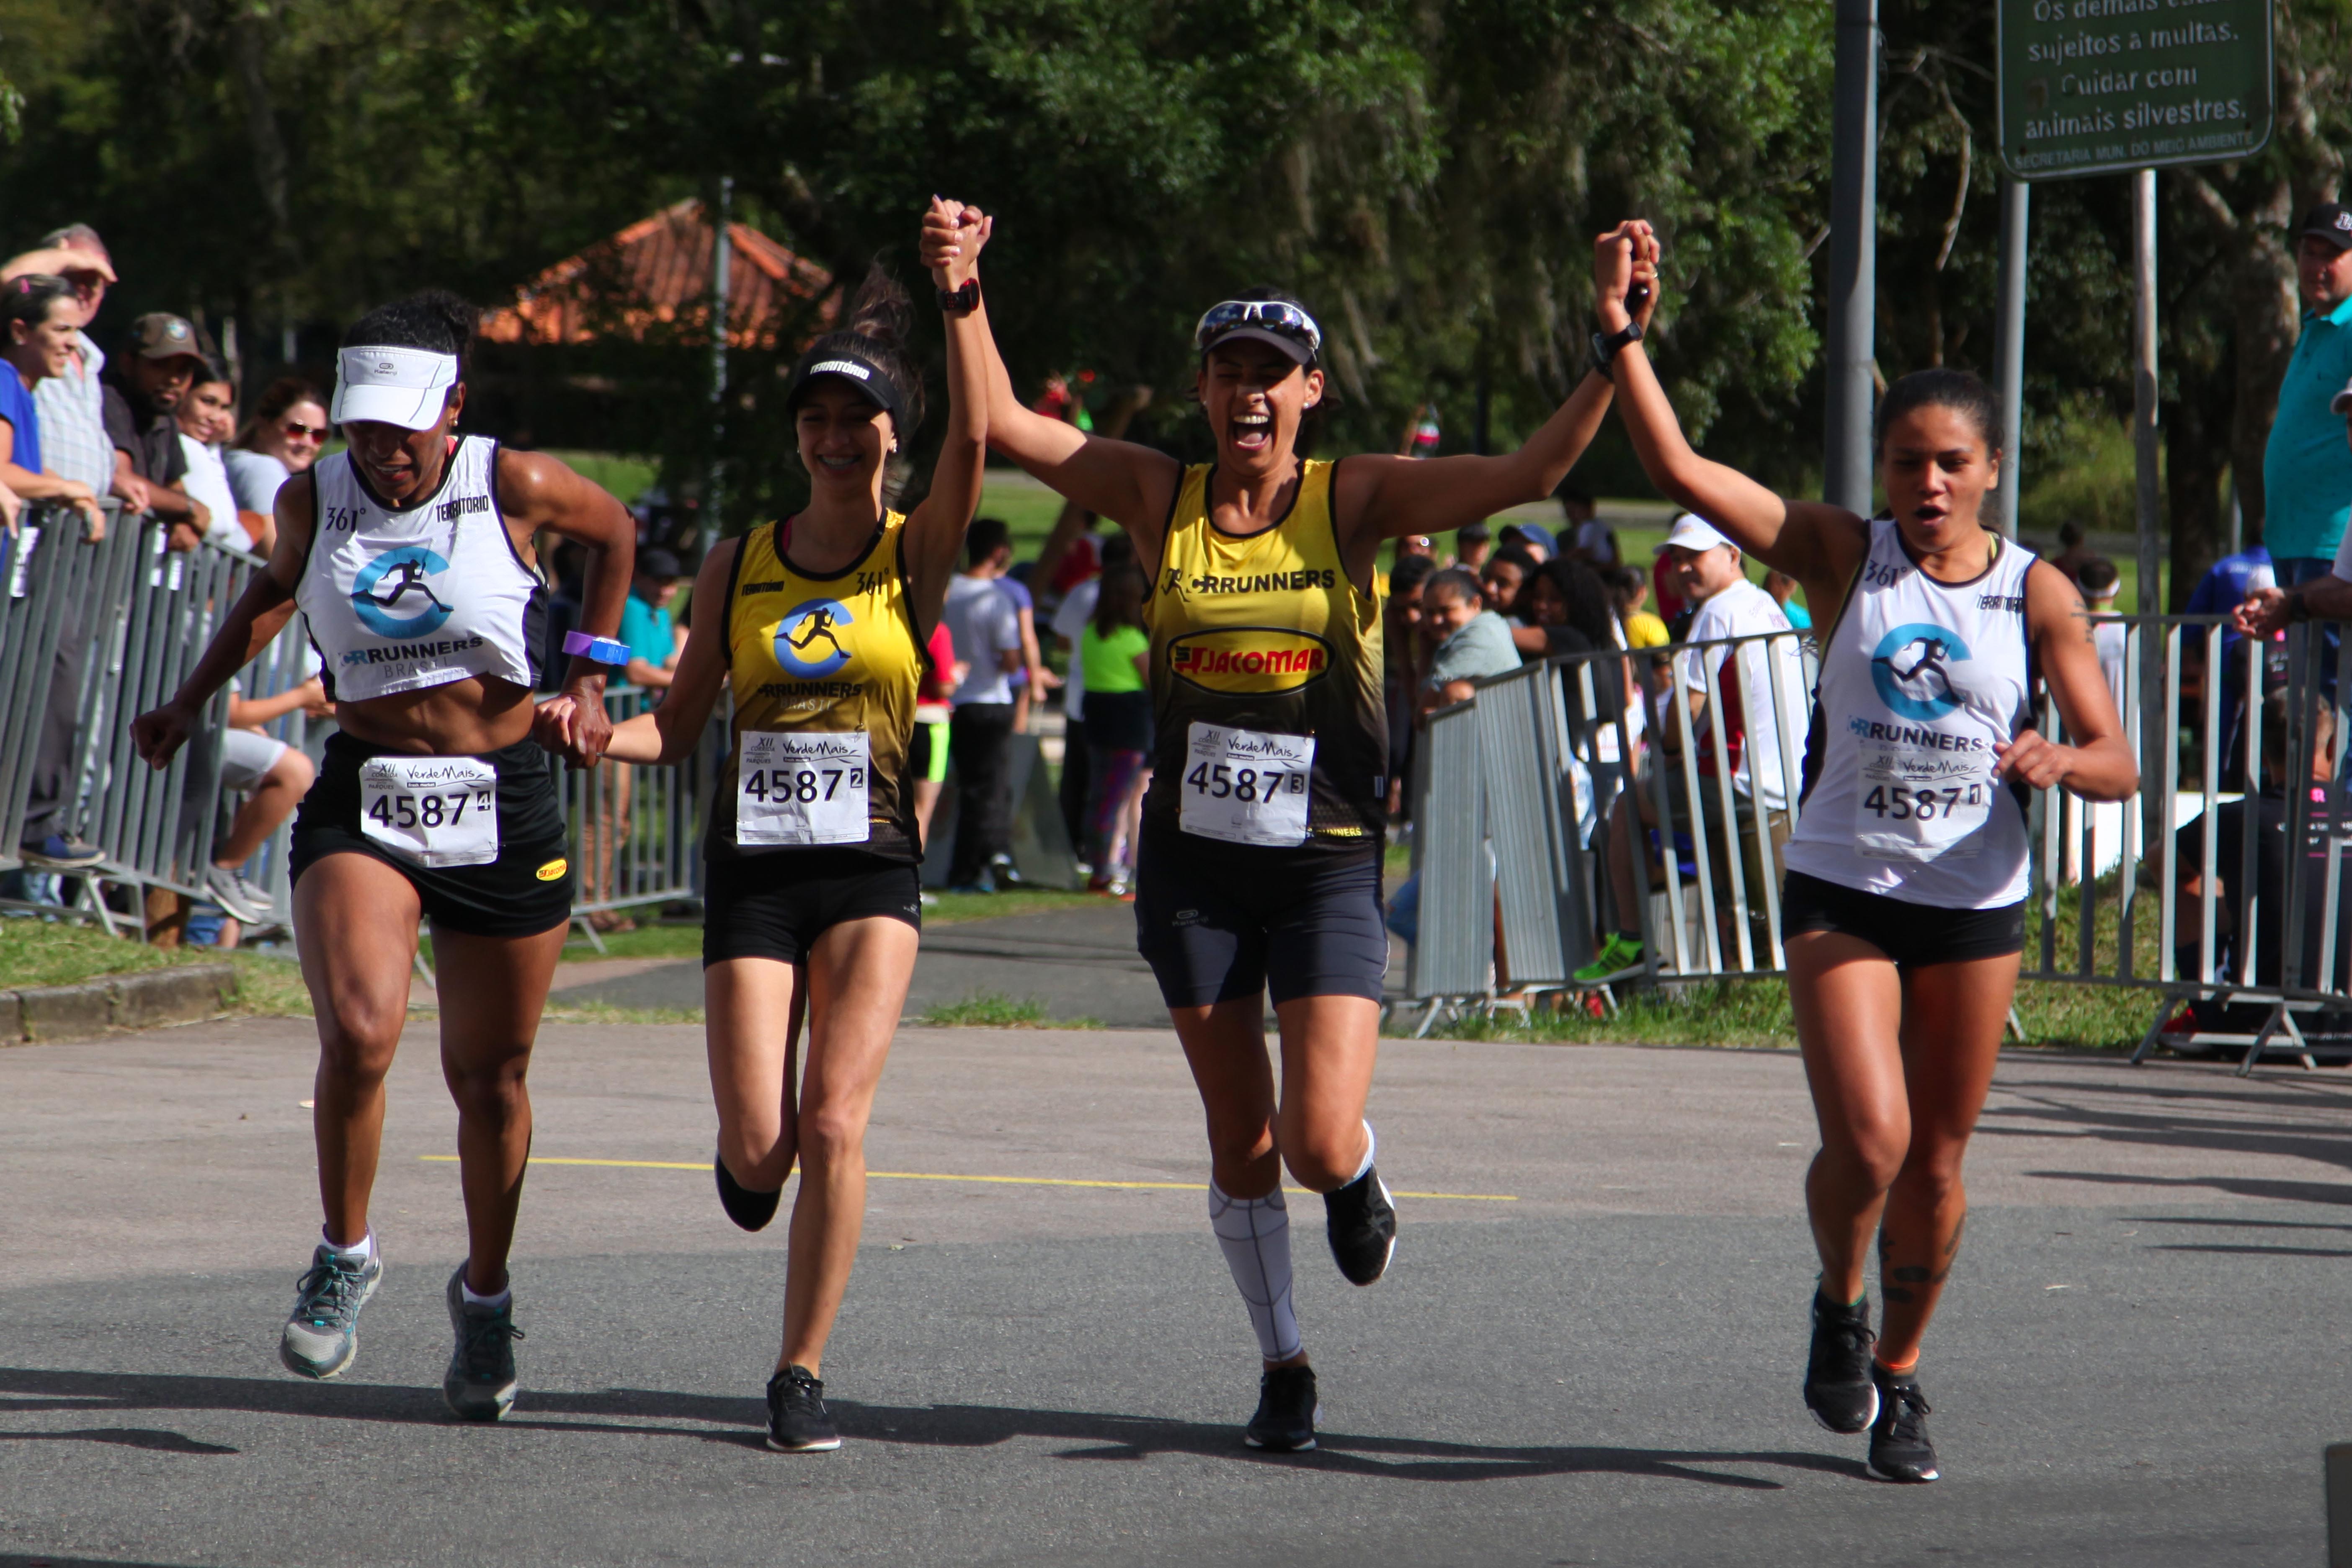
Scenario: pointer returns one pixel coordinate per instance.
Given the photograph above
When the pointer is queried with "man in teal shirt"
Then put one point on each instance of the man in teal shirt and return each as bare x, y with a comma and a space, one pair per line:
644, 619
2306, 468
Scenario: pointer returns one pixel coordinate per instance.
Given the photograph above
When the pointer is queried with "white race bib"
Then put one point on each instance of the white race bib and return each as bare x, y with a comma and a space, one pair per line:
1920, 803
431, 811
1246, 787
802, 787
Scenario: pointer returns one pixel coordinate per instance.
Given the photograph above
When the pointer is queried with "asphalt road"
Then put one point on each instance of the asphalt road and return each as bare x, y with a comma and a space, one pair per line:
2139, 1361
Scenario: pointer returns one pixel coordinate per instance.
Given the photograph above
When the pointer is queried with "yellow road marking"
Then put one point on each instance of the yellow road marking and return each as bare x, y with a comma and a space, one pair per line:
1008, 1181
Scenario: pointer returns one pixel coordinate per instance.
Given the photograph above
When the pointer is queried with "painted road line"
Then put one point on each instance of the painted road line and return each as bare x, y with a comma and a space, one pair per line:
1005, 1180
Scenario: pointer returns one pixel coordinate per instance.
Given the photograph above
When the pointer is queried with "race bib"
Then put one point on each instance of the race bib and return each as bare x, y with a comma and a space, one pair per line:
431, 811
1245, 787
1920, 803
802, 787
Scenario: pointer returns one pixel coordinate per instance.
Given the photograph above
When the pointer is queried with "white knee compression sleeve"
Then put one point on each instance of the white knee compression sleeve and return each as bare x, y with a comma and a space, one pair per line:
1255, 1234
1371, 1144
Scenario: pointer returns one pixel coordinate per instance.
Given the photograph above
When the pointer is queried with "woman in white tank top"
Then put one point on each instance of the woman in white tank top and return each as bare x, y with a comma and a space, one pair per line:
1908, 868
410, 557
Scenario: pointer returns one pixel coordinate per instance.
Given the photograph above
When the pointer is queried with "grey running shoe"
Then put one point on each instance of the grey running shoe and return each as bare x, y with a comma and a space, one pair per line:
238, 898
322, 1336
1839, 1389
480, 1382
798, 1422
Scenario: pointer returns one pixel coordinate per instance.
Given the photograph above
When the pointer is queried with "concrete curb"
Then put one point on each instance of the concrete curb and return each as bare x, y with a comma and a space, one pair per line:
45, 1015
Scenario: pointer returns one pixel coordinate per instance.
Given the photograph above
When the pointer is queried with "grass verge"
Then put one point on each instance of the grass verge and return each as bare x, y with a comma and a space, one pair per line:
994, 1010
34, 951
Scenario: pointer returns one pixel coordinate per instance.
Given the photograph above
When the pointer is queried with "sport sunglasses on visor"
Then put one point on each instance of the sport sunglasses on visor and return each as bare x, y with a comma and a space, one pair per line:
1278, 316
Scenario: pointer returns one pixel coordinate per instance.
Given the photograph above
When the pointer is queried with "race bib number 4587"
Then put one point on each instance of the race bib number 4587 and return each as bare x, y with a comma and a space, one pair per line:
1246, 787
431, 811
802, 787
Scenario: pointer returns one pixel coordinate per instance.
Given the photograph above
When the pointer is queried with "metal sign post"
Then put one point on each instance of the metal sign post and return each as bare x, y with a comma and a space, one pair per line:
1853, 258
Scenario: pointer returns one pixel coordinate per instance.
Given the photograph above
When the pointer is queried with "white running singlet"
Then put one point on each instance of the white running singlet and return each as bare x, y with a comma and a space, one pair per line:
397, 601
1921, 679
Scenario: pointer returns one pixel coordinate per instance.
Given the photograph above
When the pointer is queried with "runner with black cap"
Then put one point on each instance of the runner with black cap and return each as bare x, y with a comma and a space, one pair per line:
410, 557
1260, 870
813, 901
1907, 871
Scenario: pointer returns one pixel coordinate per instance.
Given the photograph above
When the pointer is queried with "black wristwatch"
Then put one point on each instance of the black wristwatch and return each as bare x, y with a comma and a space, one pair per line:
1605, 346
960, 302
2298, 609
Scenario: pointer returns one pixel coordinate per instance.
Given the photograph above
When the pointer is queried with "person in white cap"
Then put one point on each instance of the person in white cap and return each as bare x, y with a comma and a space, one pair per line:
1904, 911
410, 556
1258, 877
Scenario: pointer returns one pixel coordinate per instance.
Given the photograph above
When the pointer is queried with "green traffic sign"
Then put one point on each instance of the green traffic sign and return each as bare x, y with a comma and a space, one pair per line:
2095, 87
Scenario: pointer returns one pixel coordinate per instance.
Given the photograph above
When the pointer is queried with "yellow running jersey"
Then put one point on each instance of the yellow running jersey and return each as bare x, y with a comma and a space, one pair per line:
829, 654
1264, 633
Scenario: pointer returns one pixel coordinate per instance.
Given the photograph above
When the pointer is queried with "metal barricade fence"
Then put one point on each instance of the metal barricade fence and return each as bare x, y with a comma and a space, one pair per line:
2251, 913
636, 830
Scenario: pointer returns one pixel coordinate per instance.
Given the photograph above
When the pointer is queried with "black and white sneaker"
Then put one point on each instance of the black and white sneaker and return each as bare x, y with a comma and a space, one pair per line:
747, 1208
1287, 1411
1362, 1220
480, 1382
1839, 1390
1899, 1449
798, 1422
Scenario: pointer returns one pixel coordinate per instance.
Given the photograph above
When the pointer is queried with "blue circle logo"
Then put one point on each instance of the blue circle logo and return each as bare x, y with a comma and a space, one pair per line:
1912, 670
394, 581
805, 643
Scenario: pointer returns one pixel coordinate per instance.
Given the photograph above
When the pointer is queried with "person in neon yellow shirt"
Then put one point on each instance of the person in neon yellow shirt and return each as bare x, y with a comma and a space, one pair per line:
1115, 652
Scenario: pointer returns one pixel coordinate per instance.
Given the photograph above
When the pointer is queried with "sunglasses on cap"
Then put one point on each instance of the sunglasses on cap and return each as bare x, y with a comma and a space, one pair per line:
1280, 317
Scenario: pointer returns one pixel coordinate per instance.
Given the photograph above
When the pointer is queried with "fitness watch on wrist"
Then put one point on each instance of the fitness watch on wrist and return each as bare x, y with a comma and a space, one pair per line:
2298, 609
960, 302
1605, 346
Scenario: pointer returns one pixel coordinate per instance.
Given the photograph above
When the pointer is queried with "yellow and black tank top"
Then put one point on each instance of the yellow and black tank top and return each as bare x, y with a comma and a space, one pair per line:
1265, 632
825, 652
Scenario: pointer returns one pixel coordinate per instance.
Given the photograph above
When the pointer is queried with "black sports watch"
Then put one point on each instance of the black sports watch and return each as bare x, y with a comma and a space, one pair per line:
1606, 344
2298, 609
960, 302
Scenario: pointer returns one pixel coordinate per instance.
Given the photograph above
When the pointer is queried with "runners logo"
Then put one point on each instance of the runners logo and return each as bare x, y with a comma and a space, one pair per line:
1912, 669
392, 598
806, 645
1255, 661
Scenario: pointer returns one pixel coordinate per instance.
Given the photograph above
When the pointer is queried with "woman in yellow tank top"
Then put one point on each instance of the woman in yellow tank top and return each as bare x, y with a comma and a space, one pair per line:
812, 899
1259, 875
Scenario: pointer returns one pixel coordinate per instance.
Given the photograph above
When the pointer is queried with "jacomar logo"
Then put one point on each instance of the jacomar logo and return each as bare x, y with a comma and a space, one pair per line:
1249, 660
393, 597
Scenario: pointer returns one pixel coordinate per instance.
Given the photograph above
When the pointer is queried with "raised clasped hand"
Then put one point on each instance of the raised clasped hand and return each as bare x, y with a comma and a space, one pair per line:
954, 234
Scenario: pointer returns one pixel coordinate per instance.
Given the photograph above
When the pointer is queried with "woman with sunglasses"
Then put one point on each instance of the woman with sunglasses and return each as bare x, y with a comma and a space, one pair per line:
819, 623
282, 439
1259, 873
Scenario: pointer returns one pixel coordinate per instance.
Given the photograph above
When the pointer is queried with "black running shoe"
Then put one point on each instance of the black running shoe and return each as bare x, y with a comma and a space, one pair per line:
480, 1382
747, 1208
798, 1422
1362, 1224
1287, 1411
1838, 1386
1899, 1449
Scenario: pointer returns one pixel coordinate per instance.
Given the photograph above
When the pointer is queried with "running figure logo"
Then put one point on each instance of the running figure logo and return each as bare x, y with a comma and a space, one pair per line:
396, 581
1912, 669
805, 643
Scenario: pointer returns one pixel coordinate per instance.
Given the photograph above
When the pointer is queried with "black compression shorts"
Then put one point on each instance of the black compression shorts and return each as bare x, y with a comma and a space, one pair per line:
526, 890
1913, 935
1219, 921
776, 906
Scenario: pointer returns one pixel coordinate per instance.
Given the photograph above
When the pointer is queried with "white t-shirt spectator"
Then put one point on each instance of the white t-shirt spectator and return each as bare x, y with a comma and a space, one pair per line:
208, 480
2110, 638
1598, 540
1751, 729
254, 478
983, 624
1070, 621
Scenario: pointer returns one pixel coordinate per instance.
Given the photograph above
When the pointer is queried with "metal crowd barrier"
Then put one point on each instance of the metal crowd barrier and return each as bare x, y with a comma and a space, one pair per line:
1514, 810
637, 834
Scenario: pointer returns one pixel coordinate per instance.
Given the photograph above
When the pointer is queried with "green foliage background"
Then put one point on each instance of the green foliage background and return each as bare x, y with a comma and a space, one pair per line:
1427, 173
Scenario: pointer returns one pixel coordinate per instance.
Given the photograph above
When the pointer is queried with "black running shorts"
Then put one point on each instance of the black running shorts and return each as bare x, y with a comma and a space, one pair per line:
1913, 935
526, 890
1219, 921
776, 906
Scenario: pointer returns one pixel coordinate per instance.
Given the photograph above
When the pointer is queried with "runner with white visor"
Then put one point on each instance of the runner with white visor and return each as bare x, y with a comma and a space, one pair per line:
411, 558
1908, 868
1259, 871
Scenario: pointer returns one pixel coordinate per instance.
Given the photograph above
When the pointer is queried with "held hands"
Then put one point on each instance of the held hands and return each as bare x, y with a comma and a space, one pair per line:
2027, 756
160, 731
1623, 260
316, 703
2263, 614
953, 237
574, 724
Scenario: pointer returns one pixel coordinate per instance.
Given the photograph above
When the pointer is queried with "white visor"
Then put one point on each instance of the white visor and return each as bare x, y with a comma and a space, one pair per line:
407, 387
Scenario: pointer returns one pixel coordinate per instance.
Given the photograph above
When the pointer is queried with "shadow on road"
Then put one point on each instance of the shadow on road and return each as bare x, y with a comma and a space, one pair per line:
632, 1411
